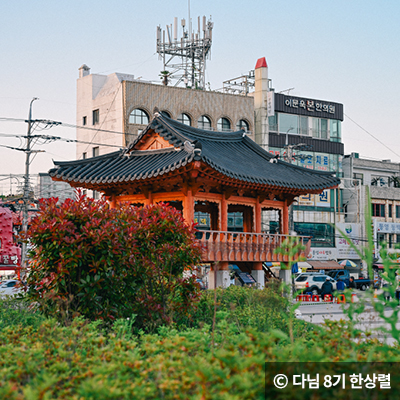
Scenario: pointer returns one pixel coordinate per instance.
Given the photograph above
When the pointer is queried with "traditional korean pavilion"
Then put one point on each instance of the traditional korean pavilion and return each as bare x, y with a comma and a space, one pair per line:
215, 173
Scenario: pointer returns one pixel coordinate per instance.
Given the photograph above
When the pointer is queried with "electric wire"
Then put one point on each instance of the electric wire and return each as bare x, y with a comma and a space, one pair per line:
374, 137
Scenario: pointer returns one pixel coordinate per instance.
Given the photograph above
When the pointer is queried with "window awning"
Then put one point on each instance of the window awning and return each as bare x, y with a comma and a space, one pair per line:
330, 264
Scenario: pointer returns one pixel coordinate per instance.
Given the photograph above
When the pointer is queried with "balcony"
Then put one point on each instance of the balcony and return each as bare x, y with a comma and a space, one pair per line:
243, 246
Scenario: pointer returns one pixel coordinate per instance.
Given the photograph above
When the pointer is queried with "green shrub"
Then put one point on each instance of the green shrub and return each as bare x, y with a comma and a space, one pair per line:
16, 311
81, 362
244, 308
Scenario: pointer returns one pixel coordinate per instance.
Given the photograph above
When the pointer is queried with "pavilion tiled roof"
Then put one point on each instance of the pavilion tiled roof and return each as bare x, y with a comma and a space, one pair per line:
232, 154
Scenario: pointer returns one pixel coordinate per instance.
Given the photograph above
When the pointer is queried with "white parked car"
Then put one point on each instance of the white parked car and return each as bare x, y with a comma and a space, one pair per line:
10, 287
312, 283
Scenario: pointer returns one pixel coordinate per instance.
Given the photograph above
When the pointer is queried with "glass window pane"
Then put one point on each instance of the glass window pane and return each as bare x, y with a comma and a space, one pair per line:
273, 123
185, 119
223, 124
324, 128
288, 123
139, 117
315, 127
242, 124
204, 122
303, 126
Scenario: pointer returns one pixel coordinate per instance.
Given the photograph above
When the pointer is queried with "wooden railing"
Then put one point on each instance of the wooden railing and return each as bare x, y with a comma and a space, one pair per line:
244, 246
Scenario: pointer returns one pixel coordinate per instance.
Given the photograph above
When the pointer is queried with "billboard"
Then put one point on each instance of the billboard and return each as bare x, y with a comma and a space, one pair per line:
344, 251
308, 107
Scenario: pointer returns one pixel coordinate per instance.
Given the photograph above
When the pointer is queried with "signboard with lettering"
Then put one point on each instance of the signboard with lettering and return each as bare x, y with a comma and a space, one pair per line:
270, 104
309, 107
322, 253
307, 200
316, 200
387, 227
322, 162
344, 251
6, 259
323, 199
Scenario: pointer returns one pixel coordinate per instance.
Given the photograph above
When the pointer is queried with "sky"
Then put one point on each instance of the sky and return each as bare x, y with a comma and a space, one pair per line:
341, 51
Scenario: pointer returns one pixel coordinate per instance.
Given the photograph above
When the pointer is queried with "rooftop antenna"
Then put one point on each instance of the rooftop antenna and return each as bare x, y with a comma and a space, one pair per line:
287, 91
184, 58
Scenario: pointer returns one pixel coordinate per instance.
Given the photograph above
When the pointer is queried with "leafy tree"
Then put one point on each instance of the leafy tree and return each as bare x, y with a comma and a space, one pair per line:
103, 263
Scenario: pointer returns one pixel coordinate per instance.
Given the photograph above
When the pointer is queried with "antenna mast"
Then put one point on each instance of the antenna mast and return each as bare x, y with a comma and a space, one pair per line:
184, 59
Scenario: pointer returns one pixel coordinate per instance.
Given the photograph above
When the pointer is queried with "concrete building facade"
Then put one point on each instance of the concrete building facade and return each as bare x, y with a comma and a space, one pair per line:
47, 188
382, 180
113, 109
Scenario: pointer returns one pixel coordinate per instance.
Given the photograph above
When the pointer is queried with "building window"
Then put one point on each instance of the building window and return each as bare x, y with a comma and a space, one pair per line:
336, 130
324, 128
96, 116
204, 123
203, 220
185, 119
223, 124
84, 120
315, 128
288, 123
242, 125
166, 114
378, 181
390, 211
394, 181
96, 195
398, 212
273, 123
322, 235
303, 126
358, 179
235, 222
138, 117
378, 210
84, 156
95, 151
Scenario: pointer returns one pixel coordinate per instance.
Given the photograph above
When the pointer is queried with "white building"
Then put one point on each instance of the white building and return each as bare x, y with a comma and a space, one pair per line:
47, 188
382, 178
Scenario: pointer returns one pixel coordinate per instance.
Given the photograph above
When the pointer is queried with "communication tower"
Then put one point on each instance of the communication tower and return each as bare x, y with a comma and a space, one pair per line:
185, 58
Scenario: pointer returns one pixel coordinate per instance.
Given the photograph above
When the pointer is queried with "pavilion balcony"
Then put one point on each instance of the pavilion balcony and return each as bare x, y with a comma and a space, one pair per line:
244, 246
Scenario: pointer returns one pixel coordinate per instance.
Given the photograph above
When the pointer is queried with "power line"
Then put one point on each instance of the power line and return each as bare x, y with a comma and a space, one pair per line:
48, 138
66, 125
374, 137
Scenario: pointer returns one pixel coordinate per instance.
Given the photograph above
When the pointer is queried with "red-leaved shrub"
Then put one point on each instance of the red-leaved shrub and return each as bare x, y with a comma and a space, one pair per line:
103, 263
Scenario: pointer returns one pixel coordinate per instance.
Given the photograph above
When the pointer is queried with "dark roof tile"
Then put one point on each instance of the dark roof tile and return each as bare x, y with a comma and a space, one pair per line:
232, 154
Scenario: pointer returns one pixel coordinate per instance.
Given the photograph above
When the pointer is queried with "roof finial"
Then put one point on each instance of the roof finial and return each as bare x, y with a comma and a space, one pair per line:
156, 112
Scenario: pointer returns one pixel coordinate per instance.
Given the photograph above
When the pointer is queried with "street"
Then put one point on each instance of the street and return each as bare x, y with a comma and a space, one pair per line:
369, 320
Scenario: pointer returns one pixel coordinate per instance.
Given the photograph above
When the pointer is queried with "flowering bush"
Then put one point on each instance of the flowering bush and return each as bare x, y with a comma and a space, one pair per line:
103, 263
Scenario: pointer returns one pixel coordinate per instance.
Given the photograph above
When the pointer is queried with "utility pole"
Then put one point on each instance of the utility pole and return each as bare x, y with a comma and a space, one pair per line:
28, 152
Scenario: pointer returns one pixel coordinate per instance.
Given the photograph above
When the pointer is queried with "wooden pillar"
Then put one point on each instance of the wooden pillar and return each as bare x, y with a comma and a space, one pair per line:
113, 201
224, 213
285, 218
248, 219
188, 207
258, 215
149, 198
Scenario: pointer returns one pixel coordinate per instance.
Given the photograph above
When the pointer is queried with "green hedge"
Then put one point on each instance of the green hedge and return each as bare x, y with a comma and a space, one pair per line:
40, 359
